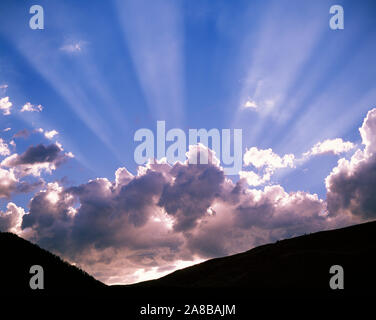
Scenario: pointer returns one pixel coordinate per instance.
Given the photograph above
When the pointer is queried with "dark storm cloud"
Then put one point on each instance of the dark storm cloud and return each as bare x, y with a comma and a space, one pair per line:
38, 154
108, 211
355, 192
36, 159
191, 193
44, 211
106, 215
137, 196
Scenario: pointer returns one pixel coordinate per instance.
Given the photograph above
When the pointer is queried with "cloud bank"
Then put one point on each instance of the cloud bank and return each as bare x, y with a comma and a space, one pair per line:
144, 225
164, 215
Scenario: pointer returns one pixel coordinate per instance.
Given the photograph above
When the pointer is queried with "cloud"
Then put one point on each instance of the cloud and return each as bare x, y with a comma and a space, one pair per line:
250, 104
22, 134
5, 106
50, 134
8, 183
28, 107
267, 162
14, 167
38, 154
98, 219
274, 208
190, 195
253, 179
267, 158
37, 159
7, 129
351, 184
11, 219
164, 215
333, 146
4, 149
74, 47
368, 133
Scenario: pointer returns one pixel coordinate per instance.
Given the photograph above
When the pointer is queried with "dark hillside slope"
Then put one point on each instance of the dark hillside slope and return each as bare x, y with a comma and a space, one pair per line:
298, 265
18, 255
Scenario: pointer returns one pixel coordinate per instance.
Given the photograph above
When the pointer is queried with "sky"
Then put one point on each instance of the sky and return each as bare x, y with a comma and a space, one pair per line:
72, 96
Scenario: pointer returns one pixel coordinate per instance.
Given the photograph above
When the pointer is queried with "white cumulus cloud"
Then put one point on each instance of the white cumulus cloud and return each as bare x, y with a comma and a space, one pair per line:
50, 134
250, 104
334, 146
5, 106
4, 150
28, 107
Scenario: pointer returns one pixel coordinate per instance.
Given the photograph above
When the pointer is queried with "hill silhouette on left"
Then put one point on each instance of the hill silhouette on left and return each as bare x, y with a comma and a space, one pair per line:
18, 255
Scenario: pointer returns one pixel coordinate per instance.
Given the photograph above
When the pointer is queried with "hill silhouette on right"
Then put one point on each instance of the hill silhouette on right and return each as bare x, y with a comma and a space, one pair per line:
298, 265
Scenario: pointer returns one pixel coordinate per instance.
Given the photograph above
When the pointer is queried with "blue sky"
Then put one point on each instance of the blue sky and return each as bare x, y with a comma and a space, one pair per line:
207, 59
103, 69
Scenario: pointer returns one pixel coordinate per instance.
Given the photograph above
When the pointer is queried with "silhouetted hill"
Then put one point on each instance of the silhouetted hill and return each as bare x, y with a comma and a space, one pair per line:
18, 255
296, 267
299, 266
